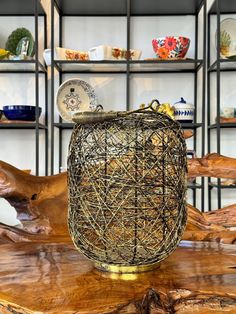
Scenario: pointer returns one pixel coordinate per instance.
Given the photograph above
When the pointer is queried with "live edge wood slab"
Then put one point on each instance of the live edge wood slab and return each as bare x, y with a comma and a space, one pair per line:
198, 277
41, 204
42, 272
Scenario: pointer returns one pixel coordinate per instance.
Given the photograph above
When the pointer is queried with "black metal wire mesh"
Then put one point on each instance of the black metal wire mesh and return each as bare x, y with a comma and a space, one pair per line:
127, 185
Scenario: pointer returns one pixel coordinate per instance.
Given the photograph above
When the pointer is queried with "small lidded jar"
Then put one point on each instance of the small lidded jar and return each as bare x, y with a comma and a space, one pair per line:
184, 112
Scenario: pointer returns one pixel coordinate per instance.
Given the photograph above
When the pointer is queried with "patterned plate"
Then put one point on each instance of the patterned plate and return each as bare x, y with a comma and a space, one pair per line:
75, 95
227, 38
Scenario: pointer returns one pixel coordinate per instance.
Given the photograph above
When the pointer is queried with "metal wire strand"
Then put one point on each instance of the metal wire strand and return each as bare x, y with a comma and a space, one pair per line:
127, 186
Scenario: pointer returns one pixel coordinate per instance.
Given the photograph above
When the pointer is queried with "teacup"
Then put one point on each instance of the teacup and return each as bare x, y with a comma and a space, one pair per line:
227, 112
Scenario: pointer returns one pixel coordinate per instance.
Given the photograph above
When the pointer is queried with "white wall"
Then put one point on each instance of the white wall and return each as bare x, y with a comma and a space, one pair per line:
20, 89
17, 147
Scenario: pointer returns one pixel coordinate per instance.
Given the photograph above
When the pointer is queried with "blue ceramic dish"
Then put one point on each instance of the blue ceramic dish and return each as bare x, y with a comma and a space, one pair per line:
21, 112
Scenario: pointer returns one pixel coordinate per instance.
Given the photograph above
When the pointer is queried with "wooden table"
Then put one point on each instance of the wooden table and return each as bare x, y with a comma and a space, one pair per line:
199, 277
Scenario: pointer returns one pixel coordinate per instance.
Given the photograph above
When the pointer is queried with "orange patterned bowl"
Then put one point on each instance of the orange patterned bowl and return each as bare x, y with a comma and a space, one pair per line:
171, 47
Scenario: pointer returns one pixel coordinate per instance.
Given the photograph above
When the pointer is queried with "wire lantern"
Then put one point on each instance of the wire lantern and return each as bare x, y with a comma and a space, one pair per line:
127, 186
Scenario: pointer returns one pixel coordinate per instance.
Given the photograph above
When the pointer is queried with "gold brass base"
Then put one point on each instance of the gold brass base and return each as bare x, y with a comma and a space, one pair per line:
123, 269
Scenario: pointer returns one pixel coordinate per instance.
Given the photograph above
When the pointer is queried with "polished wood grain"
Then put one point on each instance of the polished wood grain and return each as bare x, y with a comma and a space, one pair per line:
217, 226
227, 120
55, 278
212, 165
188, 133
41, 204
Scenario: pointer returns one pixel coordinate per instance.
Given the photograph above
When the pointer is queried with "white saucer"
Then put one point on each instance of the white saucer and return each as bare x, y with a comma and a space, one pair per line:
75, 95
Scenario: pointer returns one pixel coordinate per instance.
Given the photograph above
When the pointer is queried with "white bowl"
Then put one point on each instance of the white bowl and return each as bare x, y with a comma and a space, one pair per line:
64, 54
104, 52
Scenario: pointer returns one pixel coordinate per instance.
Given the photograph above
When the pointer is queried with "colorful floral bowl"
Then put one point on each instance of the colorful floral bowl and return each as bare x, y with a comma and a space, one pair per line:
170, 47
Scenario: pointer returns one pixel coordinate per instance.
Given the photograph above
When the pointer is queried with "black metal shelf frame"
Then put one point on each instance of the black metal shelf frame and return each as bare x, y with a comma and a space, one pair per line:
218, 8
21, 8
136, 67
194, 186
22, 126
225, 65
186, 126
34, 9
222, 186
21, 66
222, 125
135, 8
130, 8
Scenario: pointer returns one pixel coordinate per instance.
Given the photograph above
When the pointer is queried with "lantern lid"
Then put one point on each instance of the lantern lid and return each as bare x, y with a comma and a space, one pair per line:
88, 117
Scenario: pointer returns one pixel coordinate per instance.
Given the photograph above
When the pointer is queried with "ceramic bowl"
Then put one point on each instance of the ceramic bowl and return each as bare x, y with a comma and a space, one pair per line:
227, 112
105, 52
64, 54
170, 47
21, 112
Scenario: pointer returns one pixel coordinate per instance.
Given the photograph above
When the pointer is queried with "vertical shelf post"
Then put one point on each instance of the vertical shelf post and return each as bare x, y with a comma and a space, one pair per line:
52, 87
203, 98
218, 86
36, 86
128, 7
46, 100
208, 104
195, 97
60, 81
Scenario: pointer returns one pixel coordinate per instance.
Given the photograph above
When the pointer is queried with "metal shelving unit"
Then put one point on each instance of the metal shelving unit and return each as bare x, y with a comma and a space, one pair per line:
21, 66
222, 125
186, 126
128, 9
34, 9
22, 125
214, 185
218, 8
142, 66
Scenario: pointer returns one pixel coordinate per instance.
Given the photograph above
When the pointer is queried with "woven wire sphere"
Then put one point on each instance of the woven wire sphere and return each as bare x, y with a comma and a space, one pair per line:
127, 186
